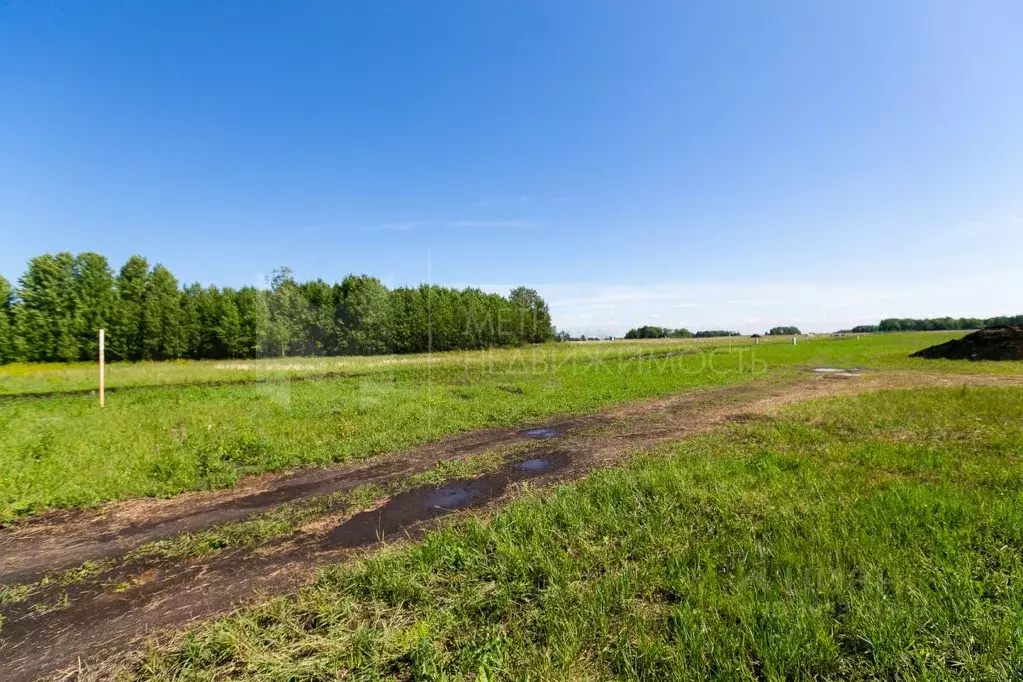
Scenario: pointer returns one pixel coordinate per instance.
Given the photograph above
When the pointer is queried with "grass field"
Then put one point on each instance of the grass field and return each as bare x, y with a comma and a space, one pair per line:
29, 379
160, 438
878, 537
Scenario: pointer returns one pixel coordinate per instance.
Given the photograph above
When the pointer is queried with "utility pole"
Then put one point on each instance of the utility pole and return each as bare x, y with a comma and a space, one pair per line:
102, 369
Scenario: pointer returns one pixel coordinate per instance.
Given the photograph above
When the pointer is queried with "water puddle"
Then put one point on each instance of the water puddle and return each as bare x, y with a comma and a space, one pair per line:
407, 509
542, 432
836, 372
535, 465
448, 498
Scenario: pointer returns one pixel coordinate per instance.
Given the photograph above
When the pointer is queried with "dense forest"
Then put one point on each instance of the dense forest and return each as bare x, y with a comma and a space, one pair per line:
784, 331
62, 300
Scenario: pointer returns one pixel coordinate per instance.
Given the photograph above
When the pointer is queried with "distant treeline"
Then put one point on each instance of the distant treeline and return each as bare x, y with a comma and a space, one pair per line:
907, 324
784, 331
651, 332
62, 300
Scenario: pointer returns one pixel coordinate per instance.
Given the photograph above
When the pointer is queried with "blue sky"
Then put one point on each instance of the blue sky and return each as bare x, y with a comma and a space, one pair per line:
702, 164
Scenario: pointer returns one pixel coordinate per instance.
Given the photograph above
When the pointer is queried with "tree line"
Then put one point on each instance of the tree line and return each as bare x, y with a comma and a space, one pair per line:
652, 332
714, 333
933, 324
784, 331
946, 323
62, 300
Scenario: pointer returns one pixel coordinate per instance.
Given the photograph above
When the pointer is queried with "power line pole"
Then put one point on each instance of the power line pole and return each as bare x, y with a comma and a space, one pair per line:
102, 369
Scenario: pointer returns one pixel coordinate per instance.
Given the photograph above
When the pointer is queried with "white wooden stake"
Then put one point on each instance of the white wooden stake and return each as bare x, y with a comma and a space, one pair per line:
102, 369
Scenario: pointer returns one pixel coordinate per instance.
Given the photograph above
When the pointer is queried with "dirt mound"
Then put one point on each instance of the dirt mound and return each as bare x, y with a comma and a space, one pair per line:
994, 343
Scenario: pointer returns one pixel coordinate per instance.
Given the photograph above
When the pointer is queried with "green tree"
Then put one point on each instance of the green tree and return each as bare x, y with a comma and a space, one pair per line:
95, 299
533, 316
46, 317
191, 330
211, 334
409, 321
128, 339
6, 325
365, 315
286, 306
163, 335
253, 318
316, 324
229, 326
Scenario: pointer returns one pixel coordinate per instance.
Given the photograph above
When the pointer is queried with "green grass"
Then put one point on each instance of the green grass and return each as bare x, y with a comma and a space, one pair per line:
65, 452
879, 537
28, 379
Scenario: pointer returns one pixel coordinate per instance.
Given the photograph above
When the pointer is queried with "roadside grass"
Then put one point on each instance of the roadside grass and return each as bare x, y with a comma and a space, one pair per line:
877, 537
63, 451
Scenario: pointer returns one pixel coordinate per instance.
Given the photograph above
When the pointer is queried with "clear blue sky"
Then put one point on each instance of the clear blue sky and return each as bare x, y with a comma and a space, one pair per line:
704, 164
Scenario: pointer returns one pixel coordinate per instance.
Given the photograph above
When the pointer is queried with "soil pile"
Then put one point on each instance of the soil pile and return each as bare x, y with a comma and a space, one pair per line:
995, 343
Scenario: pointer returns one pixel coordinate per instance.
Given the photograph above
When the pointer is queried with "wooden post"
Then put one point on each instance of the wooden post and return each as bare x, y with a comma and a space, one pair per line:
102, 369
793, 340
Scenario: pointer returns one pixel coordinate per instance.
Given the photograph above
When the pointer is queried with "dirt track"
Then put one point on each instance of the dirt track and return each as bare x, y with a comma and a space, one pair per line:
101, 620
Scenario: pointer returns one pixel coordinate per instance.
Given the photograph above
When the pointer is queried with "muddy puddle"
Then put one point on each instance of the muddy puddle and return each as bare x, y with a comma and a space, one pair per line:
536, 464
423, 504
449, 498
543, 432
